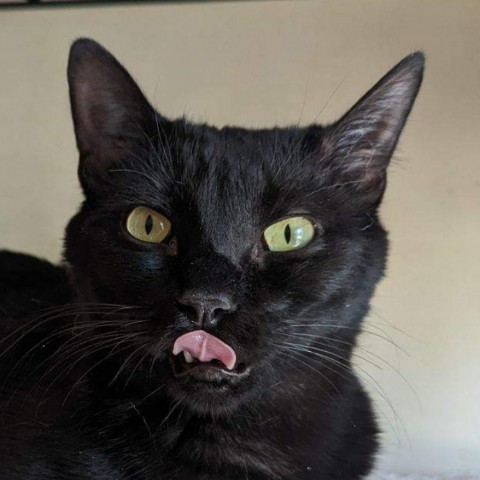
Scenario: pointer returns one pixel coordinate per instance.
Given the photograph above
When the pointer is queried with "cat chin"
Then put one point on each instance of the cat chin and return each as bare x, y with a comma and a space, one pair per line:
217, 398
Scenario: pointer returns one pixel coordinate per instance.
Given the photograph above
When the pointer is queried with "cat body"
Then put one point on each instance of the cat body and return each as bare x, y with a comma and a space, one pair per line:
217, 280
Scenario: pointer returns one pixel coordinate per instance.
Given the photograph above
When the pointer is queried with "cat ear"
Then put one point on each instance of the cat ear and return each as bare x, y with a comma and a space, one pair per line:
110, 113
361, 143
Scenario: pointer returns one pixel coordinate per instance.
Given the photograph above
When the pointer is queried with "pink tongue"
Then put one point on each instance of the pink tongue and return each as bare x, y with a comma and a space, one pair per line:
205, 348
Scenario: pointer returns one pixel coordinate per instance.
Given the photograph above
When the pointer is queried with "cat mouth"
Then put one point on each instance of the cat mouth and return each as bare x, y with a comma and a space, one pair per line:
203, 356
213, 371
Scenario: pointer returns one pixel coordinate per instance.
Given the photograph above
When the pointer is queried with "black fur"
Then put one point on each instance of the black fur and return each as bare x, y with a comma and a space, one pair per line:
87, 387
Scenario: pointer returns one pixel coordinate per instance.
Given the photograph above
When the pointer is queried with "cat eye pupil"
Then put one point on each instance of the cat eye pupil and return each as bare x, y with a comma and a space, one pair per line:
148, 225
288, 233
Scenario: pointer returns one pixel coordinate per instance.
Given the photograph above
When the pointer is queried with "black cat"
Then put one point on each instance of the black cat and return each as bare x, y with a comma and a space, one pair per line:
219, 278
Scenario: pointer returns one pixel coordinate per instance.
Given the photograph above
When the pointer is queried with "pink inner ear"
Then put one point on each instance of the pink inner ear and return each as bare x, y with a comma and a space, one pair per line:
205, 347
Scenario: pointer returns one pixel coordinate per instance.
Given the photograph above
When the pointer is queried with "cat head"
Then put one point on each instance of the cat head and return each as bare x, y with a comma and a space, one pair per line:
247, 258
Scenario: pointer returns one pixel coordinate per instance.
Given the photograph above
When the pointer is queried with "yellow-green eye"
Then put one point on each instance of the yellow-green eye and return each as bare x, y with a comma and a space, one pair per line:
289, 234
147, 225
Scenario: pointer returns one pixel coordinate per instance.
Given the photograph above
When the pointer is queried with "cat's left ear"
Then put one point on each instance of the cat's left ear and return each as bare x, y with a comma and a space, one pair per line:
359, 146
110, 113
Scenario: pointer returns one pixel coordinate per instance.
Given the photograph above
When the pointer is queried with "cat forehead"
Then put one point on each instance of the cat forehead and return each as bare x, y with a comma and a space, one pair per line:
240, 150
227, 169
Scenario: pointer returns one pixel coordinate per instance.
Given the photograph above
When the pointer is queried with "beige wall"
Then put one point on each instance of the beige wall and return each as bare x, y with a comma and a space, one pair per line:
263, 63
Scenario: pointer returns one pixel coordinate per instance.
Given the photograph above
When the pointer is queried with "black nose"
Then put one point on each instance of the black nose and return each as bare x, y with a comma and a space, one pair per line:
205, 310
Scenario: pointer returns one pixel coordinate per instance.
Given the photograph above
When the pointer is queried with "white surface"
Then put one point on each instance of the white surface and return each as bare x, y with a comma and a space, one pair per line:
391, 476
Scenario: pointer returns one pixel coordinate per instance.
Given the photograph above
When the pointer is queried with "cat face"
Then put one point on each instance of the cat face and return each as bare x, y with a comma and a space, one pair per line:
248, 256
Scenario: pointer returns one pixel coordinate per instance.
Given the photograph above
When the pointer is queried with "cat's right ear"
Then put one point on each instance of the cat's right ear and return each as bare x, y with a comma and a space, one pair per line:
110, 113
